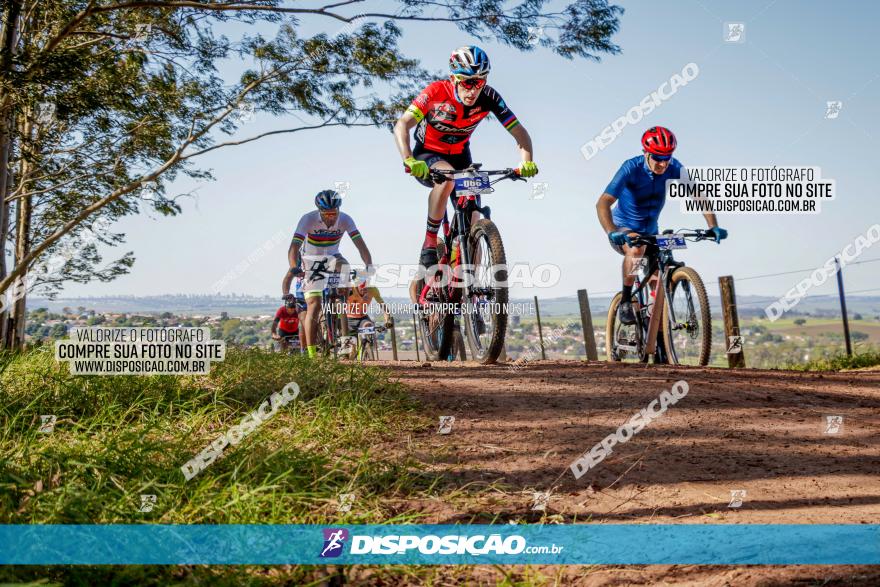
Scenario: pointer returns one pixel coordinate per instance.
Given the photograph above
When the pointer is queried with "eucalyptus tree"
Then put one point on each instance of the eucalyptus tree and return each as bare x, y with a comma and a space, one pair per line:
104, 103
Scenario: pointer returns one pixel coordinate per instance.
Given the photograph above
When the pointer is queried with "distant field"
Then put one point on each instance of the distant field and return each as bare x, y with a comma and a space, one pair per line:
819, 327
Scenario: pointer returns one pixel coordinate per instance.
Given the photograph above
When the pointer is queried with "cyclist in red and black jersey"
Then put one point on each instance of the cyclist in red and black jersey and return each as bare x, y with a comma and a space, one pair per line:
445, 114
285, 326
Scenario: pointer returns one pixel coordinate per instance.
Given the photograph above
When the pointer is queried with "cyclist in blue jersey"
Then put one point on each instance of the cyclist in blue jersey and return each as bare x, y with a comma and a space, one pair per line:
639, 188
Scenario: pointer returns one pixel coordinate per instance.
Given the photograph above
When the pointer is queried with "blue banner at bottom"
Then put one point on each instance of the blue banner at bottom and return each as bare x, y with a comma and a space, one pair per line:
440, 544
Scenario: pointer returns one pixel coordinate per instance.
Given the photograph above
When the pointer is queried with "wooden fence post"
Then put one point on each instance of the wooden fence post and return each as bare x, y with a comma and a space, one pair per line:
394, 338
731, 323
540, 331
416, 336
587, 326
843, 307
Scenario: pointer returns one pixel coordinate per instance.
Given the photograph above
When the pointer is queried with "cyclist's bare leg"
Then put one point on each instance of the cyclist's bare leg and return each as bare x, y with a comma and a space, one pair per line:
313, 314
438, 197
302, 336
631, 256
366, 323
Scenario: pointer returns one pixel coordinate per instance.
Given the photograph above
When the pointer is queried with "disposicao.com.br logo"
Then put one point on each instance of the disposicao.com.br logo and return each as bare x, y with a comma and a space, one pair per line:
334, 541
430, 544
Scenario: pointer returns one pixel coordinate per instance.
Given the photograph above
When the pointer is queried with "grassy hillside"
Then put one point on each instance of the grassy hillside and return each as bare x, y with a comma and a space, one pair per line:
119, 437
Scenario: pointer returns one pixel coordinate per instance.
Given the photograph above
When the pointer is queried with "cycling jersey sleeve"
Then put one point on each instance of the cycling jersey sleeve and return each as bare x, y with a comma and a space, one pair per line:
499, 108
421, 103
618, 182
347, 224
682, 171
278, 313
299, 235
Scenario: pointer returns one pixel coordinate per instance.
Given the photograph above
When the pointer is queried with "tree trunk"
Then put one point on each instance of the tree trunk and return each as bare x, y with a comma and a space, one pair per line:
5, 320
24, 211
22, 248
8, 42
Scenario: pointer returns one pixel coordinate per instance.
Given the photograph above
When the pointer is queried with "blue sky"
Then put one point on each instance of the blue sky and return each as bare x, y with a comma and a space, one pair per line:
756, 103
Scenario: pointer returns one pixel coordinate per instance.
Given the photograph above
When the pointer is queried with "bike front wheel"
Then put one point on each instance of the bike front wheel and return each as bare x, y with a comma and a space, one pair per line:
485, 319
624, 343
367, 349
687, 322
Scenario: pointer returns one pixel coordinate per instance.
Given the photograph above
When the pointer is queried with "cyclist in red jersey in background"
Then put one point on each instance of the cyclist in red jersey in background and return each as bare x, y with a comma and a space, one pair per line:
445, 115
285, 326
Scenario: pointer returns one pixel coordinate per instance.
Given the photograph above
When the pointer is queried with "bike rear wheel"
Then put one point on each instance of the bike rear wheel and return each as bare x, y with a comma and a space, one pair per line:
331, 333
433, 329
485, 326
624, 343
687, 322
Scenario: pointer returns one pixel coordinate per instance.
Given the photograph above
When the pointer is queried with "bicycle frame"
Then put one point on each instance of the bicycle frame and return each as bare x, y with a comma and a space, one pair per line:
292, 344
661, 264
367, 339
463, 207
332, 321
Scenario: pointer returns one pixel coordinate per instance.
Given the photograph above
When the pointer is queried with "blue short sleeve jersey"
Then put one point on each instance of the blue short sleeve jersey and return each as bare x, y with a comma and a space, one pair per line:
640, 194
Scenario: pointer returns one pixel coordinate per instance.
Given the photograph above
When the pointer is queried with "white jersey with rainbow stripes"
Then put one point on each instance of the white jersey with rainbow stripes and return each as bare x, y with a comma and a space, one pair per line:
317, 238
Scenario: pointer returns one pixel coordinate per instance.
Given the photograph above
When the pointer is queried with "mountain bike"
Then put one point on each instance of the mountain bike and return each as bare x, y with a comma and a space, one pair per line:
333, 324
676, 299
471, 277
367, 347
292, 347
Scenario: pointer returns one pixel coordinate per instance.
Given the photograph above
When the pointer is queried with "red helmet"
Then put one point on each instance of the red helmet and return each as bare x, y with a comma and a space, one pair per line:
660, 141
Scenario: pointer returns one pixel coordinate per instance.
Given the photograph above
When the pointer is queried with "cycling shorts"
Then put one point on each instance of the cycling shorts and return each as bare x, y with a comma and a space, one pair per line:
317, 275
460, 161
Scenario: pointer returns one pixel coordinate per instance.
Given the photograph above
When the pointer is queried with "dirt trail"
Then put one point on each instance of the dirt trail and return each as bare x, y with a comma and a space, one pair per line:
763, 432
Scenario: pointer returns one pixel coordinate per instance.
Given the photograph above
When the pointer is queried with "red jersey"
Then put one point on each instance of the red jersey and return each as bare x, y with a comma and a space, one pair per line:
287, 322
445, 124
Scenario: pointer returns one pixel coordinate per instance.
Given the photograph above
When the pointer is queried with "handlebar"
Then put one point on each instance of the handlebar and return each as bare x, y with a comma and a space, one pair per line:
378, 328
439, 176
697, 234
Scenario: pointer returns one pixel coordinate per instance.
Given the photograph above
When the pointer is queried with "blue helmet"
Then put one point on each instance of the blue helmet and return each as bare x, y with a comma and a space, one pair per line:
469, 61
328, 200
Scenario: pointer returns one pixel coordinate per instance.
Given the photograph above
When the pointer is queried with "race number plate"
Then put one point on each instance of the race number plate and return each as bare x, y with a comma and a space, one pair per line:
472, 184
668, 242
367, 330
333, 280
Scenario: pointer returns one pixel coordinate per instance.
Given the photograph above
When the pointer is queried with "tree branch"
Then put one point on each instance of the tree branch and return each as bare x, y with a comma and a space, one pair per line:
275, 132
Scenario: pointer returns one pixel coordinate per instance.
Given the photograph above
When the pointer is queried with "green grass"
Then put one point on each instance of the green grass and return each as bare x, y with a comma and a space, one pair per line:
117, 437
839, 362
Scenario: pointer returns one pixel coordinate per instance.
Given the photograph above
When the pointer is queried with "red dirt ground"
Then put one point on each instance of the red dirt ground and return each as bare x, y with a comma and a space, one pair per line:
517, 432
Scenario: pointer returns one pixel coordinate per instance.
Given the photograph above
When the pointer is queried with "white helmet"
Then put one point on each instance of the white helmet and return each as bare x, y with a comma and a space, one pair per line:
470, 61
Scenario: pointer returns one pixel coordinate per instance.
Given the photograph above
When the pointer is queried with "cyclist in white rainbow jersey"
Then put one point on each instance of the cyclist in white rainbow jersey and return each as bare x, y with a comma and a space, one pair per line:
316, 238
